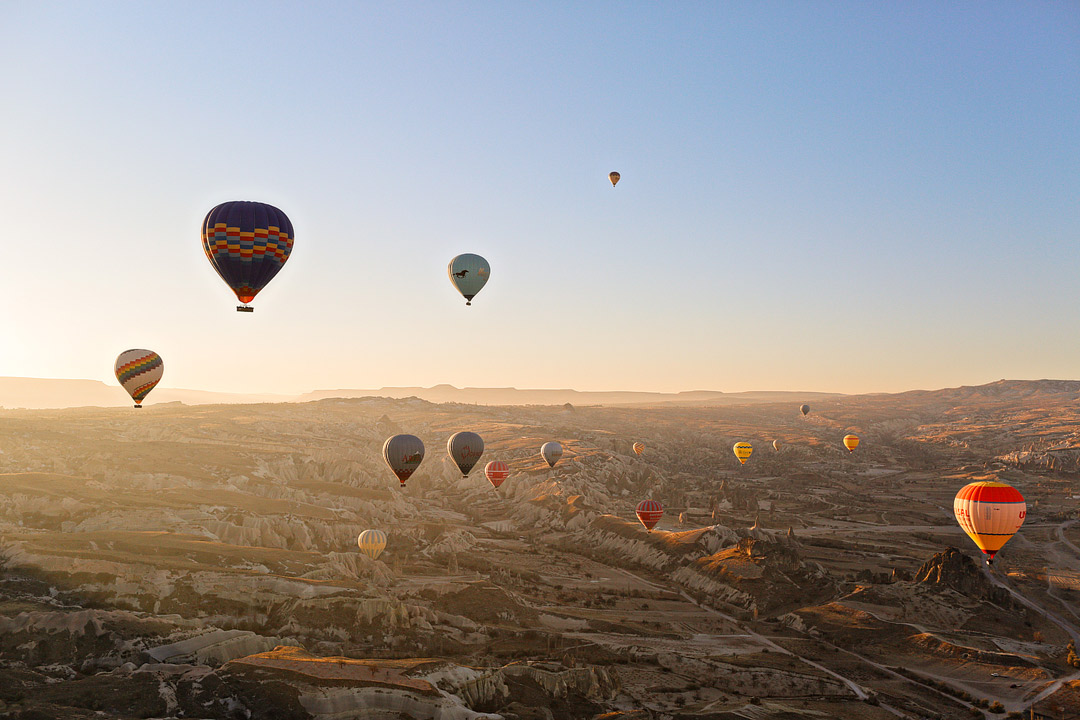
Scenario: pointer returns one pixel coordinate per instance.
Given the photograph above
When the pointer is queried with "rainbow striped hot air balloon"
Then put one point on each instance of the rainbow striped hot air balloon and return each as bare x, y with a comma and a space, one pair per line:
247, 243
138, 372
990, 513
649, 513
497, 471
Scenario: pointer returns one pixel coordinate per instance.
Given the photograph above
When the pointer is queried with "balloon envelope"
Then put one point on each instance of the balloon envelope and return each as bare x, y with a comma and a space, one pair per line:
497, 471
649, 513
403, 454
776, 445
465, 449
804, 409
551, 452
614, 178
742, 451
138, 372
247, 243
990, 513
639, 448
469, 273
372, 543
851, 442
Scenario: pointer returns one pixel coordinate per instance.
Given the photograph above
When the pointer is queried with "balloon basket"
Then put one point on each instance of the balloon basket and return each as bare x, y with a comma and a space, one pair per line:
244, 308
138, 407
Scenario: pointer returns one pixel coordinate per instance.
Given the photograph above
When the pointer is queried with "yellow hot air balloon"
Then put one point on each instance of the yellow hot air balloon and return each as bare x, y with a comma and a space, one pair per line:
614, 178
742, 451
851, 442
372, 543
990, 513
776, 445
639, 448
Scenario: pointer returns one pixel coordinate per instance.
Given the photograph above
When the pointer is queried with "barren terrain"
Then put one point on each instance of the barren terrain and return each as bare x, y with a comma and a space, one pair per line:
185, 561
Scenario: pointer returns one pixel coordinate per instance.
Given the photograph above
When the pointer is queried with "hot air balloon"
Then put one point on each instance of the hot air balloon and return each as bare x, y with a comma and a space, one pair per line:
804, 409
247, 243
851, 442
649, 513
469, 273
465, 449
990, 513
403, 453
551, 452
776, 445
372, 543
639, 448
614, 178
742, 451
138, 372
497, 471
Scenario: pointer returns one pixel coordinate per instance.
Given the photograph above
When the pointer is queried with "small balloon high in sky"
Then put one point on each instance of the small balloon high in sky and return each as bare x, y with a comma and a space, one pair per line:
879, 186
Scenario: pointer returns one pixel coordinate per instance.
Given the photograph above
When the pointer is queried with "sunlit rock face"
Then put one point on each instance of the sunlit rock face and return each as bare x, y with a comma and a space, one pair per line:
143, 558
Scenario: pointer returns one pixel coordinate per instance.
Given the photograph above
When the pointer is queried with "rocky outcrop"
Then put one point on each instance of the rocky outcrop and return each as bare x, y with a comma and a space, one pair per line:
954, 570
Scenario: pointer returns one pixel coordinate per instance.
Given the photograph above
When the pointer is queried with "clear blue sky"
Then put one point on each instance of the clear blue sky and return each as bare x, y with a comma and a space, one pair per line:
826, 196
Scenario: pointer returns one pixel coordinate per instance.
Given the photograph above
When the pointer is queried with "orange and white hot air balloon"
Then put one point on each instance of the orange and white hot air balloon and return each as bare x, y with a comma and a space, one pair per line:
649, 513
639, 448
497, 471
990, 513
851, 442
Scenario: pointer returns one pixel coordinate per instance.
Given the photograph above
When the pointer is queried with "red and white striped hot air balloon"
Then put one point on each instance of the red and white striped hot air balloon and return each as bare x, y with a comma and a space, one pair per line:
496, 472
990, 513
649, 513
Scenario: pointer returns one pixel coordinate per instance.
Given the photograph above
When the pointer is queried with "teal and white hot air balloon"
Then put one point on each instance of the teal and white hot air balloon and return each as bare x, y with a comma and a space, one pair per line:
469, 273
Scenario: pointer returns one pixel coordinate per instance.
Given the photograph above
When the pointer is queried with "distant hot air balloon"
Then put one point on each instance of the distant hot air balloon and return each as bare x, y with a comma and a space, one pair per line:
742, 451
247, 243
469, 273
372, 543
497, 471
851, 442
465, 449
804, 409
403, 453
649, 513
614, 178
990, 513
639, 448
551, 452
776, 445
138, 372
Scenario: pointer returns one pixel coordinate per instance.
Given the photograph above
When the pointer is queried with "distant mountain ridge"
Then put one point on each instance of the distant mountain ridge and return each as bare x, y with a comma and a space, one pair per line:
46, 393
514, 396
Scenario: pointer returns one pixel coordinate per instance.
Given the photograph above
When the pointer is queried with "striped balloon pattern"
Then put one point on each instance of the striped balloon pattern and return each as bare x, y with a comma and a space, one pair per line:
497, 471
639, 448
469, 273
138, 372
990, 513
247, 243
851, 442
743, 451
649, 513
372, 543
